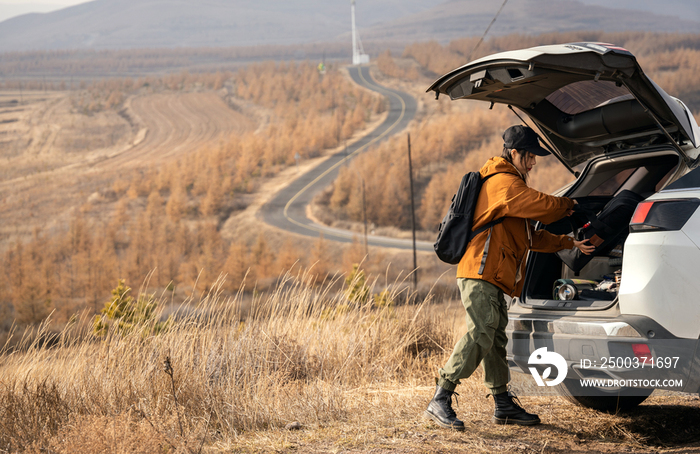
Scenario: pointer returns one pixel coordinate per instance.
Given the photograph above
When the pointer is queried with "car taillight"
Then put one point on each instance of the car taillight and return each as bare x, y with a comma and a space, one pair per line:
642, 352
663, 214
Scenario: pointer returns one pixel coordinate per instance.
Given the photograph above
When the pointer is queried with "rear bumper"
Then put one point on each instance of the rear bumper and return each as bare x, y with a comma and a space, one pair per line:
609, 351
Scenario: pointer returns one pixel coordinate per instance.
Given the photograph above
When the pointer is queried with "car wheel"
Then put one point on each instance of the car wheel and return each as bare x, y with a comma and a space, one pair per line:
611, 401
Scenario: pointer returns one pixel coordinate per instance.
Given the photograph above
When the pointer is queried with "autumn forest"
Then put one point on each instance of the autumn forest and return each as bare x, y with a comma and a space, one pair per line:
167, 222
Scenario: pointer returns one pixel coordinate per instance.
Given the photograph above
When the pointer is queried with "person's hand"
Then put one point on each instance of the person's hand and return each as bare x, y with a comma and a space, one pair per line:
571, 211
584, 246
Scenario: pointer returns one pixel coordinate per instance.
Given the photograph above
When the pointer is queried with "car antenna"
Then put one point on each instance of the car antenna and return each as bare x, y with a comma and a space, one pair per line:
476, 46
487, 30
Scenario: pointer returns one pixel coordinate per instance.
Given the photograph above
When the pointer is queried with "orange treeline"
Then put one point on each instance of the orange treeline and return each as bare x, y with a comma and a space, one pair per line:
323, 114
441, 151
169, 218
388, 66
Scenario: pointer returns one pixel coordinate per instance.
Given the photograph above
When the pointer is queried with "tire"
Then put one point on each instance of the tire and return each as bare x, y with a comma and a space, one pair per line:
610, 401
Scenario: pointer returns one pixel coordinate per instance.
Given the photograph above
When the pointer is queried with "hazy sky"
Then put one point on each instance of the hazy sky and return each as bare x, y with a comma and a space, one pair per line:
688, 9
11, 8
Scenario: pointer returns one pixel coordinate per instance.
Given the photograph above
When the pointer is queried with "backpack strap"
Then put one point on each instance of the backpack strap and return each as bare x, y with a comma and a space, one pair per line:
484, 227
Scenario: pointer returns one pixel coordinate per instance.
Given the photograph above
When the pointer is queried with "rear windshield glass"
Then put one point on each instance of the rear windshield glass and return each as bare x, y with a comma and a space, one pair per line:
586, 95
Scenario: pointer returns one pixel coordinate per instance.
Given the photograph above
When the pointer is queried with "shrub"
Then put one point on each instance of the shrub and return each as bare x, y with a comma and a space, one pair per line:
356, 283
125, 314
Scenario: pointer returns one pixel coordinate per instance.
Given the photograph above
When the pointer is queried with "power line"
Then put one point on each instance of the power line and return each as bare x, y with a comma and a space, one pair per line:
487, 30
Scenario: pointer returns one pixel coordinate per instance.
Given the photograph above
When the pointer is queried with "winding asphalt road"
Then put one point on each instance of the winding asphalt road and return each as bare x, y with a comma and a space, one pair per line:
287, 210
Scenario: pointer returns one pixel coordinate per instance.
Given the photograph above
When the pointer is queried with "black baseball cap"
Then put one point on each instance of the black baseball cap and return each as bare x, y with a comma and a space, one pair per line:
523, 138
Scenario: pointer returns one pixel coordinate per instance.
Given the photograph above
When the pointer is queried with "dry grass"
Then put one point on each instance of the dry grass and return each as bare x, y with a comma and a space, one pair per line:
229, 375
301, 354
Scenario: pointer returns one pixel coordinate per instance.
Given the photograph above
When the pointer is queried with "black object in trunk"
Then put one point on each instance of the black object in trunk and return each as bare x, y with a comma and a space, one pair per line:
605, 231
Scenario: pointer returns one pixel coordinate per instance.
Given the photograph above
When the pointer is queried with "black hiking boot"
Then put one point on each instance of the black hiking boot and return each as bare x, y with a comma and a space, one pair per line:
509, 411
440, 410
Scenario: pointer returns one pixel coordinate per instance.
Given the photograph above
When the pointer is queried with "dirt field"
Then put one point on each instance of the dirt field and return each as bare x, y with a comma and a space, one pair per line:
660, 425
54, 157
173, 124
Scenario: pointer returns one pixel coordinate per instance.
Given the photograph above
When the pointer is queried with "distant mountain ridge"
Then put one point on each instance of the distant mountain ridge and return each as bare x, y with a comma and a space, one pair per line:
459, 18
123, 24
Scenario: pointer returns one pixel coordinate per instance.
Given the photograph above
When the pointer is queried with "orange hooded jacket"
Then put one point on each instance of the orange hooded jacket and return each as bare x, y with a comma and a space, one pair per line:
506, 194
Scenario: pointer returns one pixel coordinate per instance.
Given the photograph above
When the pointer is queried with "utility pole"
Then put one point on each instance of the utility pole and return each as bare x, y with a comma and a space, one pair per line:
364, 215
413, 216
364, 209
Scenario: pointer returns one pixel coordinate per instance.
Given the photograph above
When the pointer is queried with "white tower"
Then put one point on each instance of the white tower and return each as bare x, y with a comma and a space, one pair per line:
358, 54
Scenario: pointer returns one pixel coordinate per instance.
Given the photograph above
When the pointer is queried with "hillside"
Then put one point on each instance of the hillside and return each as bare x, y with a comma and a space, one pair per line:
119, 24
155, 166
122, 24
460, 18
166, 168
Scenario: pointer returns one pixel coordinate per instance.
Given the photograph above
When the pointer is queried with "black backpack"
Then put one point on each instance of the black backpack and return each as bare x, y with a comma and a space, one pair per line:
455, 231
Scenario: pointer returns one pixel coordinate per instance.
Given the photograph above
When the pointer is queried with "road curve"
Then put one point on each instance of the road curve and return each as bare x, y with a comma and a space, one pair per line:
287, 210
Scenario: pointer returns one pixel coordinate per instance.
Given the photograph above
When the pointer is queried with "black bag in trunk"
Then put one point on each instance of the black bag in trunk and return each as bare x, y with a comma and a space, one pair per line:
605, 231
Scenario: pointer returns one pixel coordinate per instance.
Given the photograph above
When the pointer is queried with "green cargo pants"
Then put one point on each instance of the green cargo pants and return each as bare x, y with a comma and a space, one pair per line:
485, 341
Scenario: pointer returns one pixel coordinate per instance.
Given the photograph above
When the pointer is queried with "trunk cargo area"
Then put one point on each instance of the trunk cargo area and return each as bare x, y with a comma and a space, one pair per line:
608, 189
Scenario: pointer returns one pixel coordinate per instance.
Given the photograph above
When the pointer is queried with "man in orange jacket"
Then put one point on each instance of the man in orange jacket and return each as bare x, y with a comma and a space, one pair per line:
492, 267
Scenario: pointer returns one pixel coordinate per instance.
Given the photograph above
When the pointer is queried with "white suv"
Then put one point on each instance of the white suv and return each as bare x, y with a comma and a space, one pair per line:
628, 320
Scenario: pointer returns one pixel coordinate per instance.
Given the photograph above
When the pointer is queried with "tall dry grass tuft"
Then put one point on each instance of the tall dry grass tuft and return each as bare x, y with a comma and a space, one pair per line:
299, 353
